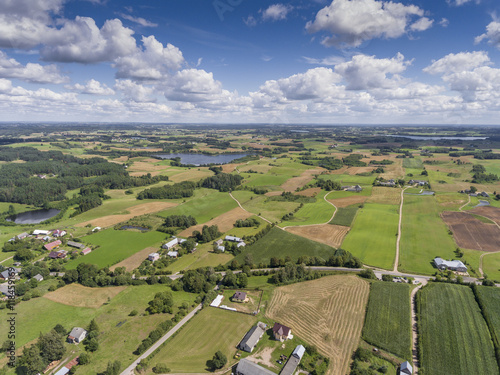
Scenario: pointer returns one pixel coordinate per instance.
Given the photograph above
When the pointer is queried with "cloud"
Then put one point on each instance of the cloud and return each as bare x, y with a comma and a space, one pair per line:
250, 21
351, 22
492, 34
134, 91
367, 72
139, 20
82, 41
444, 22
460, 2
92, 87
192, 85
454, 63
422, 24
276, 12
328, 61
32, 73
153, 62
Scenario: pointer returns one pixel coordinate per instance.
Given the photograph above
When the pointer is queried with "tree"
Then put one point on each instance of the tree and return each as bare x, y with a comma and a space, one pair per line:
92, 345
51, 346
93, 327
84, 359
473, 189
242, 280
113, 368
23, 255
218, 361
31, 362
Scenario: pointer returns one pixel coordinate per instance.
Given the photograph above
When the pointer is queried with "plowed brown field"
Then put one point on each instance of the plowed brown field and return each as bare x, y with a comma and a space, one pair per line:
311, 192
300, 181
331, 235
224, 222
327, 313
491, 213
471, 233
347, 201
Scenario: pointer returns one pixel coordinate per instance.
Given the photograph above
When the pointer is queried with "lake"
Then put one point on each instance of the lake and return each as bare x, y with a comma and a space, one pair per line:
200, 159
437, 138
34, 217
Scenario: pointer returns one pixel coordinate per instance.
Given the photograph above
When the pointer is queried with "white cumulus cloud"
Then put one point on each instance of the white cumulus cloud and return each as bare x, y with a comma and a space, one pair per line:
462, 61
92, 87
492, 34
31, 72
276, 12
135, 91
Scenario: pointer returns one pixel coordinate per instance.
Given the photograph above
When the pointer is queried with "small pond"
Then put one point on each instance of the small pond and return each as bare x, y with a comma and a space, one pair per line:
34, 217
134, 227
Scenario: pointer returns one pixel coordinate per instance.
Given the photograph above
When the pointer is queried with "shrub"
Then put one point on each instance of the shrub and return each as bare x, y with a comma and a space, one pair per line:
161, 368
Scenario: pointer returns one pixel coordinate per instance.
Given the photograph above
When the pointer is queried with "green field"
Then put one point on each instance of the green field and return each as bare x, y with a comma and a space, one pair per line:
115, 246
491, 266
388, 318
205, 205
454, 336
259, 205
415, 163
318, 212
278, 243
424, 235
373, 235
491, 299
209, 331
345, 215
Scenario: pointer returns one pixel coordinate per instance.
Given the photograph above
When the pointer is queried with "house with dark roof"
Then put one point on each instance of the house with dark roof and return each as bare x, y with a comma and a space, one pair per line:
282, 332
76, 244
247, 367
239, 297
252, 337
355, 188
60, 254
4, 275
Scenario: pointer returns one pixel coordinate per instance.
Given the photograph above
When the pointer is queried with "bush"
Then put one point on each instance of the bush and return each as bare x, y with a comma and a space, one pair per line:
133, 313
84, 359
161, 368
368, 274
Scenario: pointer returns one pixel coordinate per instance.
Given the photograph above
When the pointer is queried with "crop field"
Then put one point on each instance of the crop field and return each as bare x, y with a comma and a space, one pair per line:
190, 175
388, 318
327, 313
278, 243
424, 235
311, 192
331, 235
298, 182
188, 351
491, 299
319, 212
385, 195
454, 336
492, 213
415, 163
205, 205
258, 205
471, 233
134, 261
345, 215
346, 179
373, 235
224, 222
347, 201
81, 296
115, 246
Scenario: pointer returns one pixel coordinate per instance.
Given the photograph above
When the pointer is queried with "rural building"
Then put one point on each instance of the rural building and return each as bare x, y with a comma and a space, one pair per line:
170, 244
59, 233
39, 232
252, 337
221, 248
355, 188
4, 289
76, 244
173, 254
232, 239
282, 332
86, 251
239, 297
38, 277
240, 244
454, 265
406, 368
293, 361
390, 183
60, 254
4, 275
219, 242
77, 335
418, 182
485, 194
217, 301
52, 245
247, 367
96, 229
153, 256
22, 236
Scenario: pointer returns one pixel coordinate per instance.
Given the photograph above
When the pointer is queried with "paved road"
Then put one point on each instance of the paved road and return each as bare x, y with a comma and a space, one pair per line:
130, 370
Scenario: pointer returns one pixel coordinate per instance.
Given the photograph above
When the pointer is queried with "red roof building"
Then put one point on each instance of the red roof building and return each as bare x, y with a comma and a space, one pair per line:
52, 245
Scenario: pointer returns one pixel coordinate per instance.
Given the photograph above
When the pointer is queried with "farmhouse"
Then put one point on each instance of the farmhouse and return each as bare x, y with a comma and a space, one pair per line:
76, 244
153, 256
454, 265
173, 254
96, 229
60, 254
485, 194
355, 188
406, 368
77, 335
232, 239
59, 233
293, 361
52, 245
252, 337
240, 244
418, 182
39, 232
239, 297
86, 251
282, 332
219, 242
170, 244
221, 248
22, 236
38, 277
390, 183
4, 275
247, 367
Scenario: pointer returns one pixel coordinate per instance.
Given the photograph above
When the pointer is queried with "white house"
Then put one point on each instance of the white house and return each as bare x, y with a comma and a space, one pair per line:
170, 244
454, 265
173, 254
39, 232
59, 233
221, 248
241, 244
232, 239
153, 257
77, 335
96, 229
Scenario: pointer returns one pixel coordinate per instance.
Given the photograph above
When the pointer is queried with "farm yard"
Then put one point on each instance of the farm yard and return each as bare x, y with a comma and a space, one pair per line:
327, 313
388, 318
454, 336
471, 233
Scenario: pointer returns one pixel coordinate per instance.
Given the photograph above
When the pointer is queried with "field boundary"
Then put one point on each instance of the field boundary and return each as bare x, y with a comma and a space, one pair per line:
309, 225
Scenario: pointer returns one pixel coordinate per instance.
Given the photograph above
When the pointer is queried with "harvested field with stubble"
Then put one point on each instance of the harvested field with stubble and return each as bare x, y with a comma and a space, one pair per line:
140, 209
331, 235
297, 182
311, 192
471, 233
492, 213
385, 195
347, 201
224, 222
135, 260
327, 313
82, 296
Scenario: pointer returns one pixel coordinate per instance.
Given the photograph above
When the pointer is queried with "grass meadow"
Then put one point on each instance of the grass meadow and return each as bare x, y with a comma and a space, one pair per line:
278, 243
454, 336
388, 318
318, 212
258, 205
491, 299
345, 215
373, 235
424, 235
415, 163
115, 246
491, 266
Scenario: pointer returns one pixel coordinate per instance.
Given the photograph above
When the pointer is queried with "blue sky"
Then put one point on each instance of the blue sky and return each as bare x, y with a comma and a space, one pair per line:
240, 61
